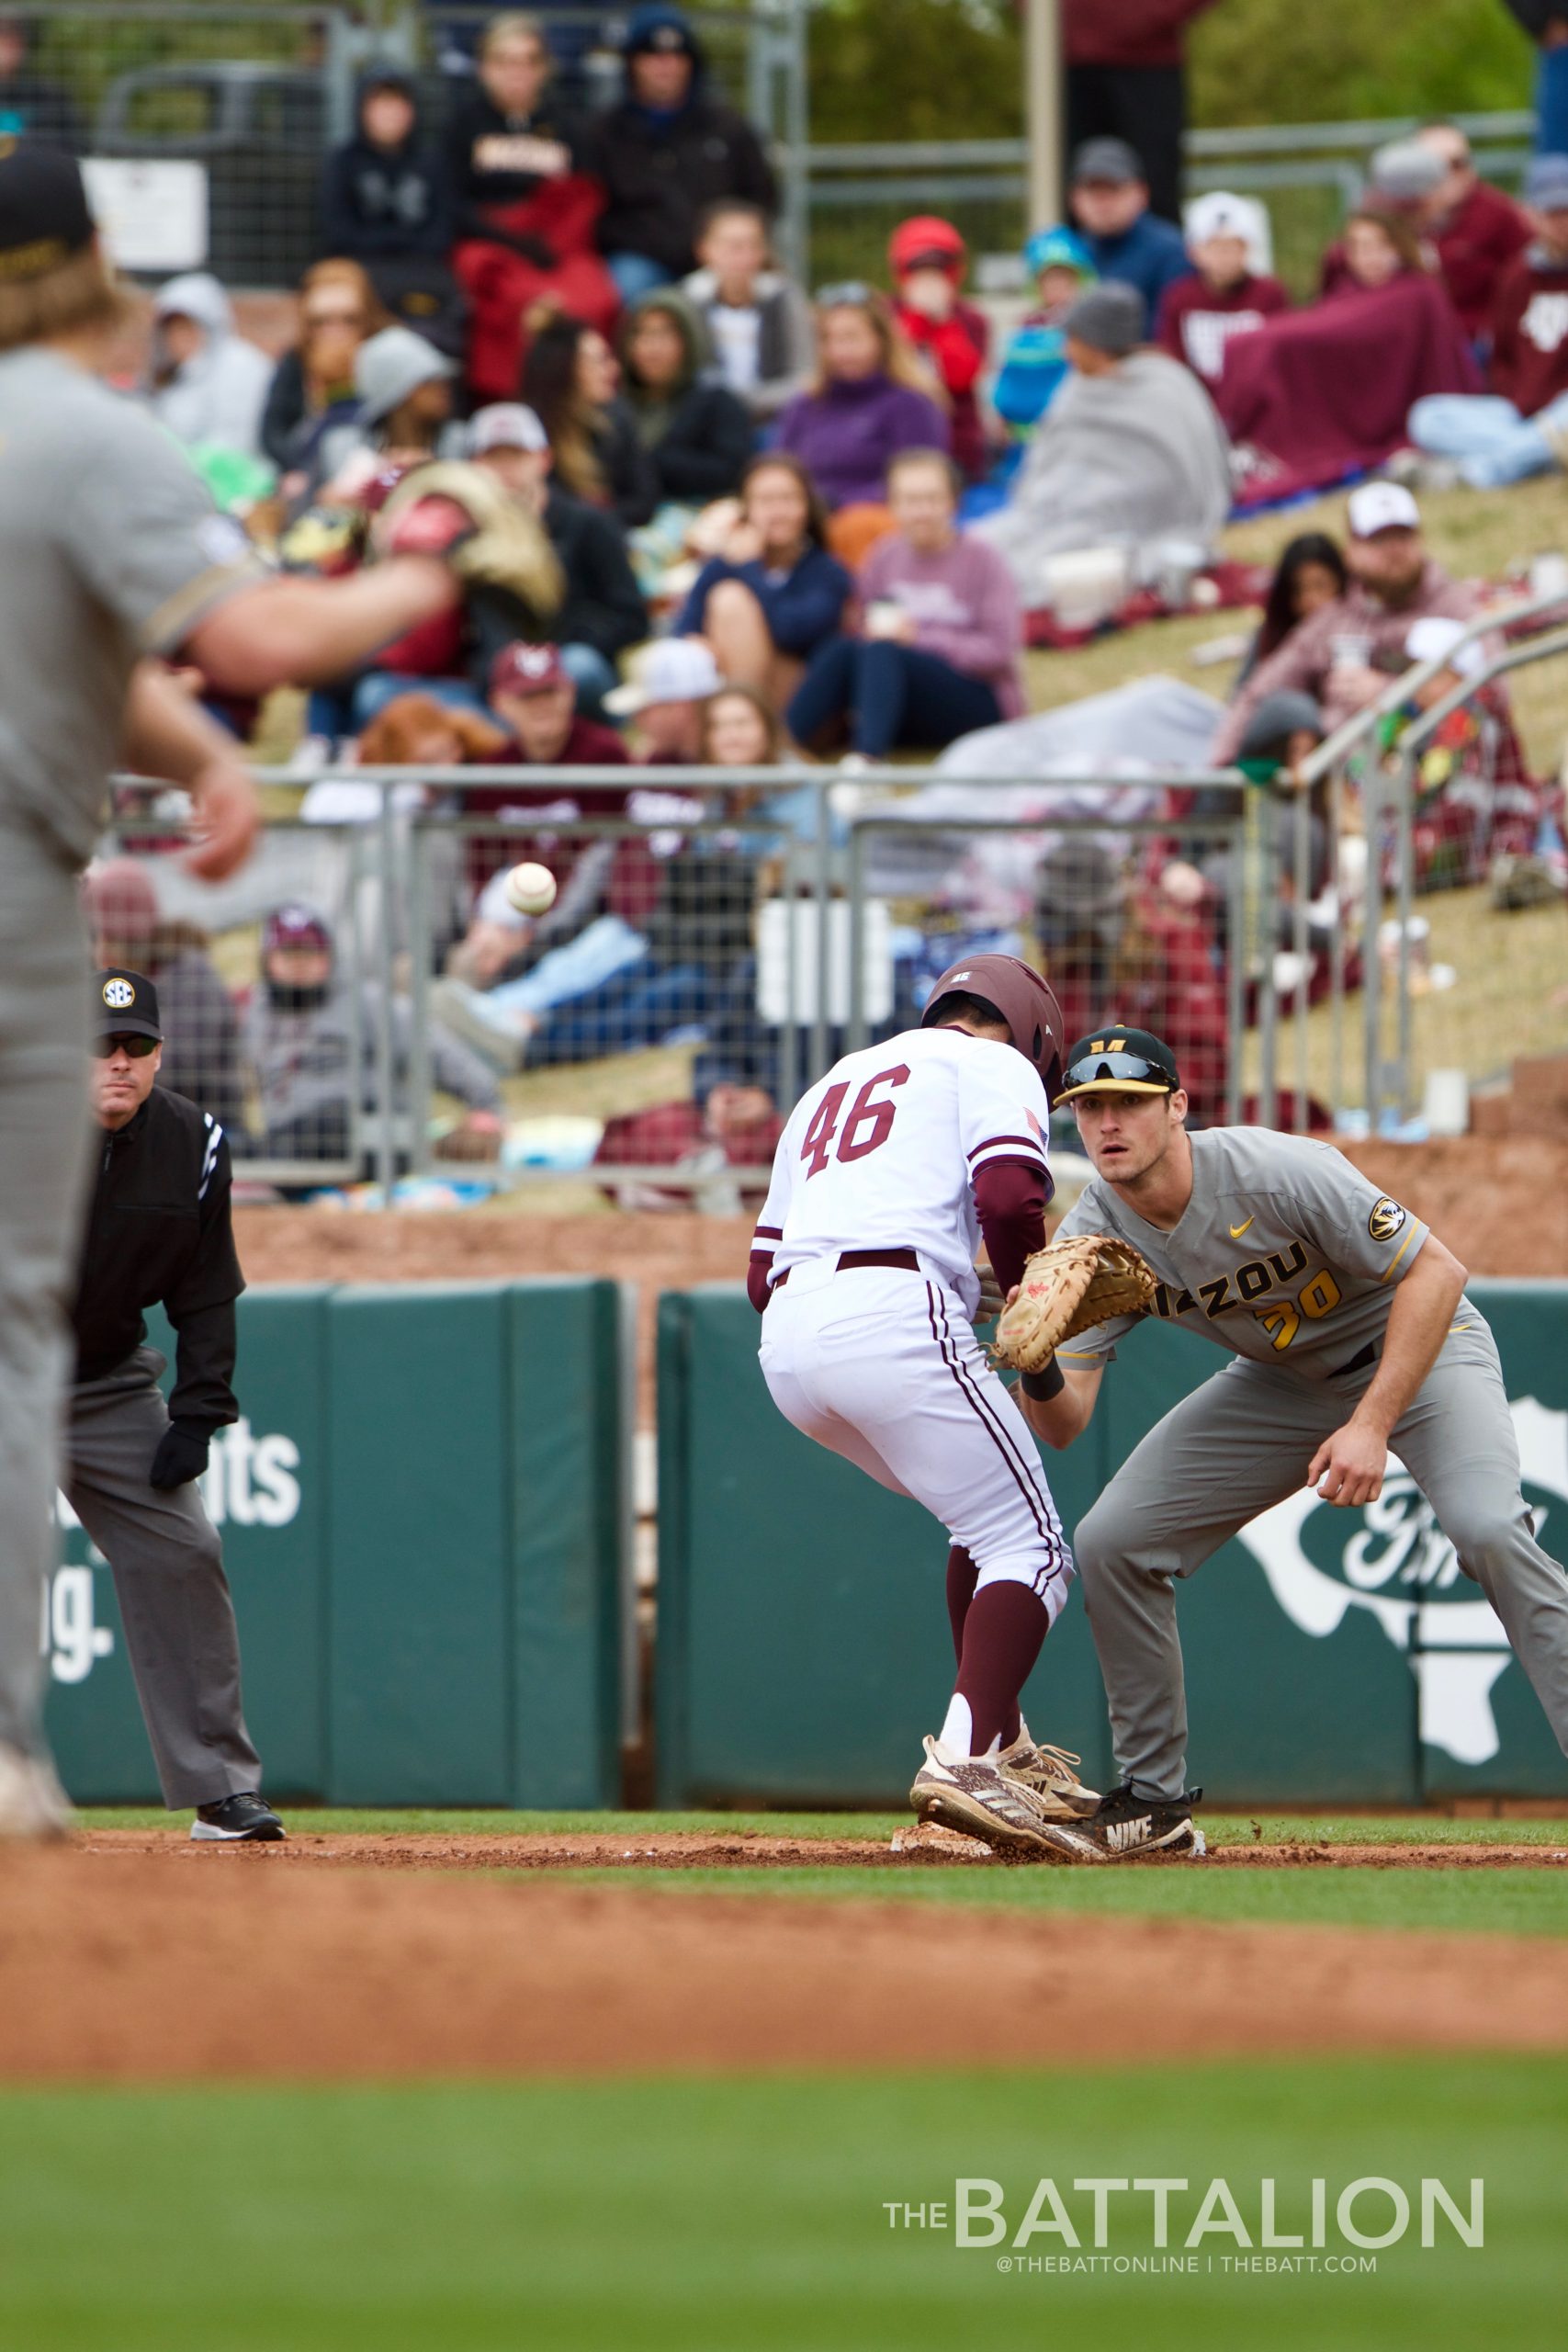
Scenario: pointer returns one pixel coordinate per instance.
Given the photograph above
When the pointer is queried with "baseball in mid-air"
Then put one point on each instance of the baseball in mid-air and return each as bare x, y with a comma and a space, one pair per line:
531, 888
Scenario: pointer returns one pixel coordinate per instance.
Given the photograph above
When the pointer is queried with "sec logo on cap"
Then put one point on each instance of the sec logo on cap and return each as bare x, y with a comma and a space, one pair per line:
118, 995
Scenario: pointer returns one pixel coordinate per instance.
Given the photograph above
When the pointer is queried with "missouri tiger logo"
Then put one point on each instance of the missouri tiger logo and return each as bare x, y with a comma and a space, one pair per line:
1385, 1220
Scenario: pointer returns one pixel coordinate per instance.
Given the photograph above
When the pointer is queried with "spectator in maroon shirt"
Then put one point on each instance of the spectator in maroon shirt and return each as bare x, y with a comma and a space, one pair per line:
1126, 79
1199, 315
1479, 232
1520, 427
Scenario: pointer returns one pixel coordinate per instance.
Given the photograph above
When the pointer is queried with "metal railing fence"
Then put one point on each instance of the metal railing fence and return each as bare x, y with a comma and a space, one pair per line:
1443, 822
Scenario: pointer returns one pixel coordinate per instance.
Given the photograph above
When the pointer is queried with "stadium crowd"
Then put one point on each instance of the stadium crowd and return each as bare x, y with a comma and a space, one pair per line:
826, 528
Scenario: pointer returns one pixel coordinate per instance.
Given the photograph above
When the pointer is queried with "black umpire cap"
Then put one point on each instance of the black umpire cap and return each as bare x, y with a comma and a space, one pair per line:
44, 213
1119, 1061
125, 1003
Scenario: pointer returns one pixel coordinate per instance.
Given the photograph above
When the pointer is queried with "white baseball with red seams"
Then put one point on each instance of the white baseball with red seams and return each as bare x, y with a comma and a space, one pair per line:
880, 1364
531, 888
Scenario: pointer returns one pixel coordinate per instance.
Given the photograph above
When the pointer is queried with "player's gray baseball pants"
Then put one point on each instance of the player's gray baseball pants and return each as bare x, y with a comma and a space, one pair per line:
43, 1168
168, 1575
1243, 1443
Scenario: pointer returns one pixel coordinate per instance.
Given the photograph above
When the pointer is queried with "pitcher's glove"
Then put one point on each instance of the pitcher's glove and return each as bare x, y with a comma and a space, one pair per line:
1075, 1281
489, 537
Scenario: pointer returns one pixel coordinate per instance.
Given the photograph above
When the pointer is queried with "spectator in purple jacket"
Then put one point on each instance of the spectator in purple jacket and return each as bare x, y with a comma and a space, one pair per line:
871, 398
940, 633
773, 593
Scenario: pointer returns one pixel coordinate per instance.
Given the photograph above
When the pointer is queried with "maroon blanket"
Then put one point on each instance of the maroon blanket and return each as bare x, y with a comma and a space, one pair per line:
1325, 391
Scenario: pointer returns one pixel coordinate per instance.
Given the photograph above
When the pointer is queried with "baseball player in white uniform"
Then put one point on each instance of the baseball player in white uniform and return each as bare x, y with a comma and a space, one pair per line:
888, 1173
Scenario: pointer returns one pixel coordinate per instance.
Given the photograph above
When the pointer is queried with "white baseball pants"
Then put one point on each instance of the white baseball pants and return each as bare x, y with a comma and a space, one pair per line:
881, 1364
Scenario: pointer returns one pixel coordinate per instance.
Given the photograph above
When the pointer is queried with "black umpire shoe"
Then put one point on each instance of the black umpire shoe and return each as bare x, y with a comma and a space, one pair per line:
1124, 1826
236, 1817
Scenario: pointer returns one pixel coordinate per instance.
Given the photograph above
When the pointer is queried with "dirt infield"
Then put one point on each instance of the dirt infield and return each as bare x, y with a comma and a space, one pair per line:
754, 1849
356, 1957
127, 1966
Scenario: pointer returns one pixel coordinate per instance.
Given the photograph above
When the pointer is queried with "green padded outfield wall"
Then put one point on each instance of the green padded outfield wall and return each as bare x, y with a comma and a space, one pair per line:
422, 1513
1332, 1657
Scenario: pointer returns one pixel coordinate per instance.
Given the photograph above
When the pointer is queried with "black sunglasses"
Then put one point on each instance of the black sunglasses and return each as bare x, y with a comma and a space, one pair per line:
135, 1044
1134, 1069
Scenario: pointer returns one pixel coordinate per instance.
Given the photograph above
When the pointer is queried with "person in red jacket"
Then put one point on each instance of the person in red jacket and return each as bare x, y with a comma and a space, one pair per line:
1520, 427
1126, 79
927, 258
1199, 315
1478, 231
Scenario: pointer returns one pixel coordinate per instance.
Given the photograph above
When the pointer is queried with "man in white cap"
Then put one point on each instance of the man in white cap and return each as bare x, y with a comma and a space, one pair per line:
666, 700
1199, 315
1344, 655
602, 615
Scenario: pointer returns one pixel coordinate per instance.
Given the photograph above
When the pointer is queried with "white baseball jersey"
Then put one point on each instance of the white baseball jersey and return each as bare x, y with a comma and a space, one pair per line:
882, 1152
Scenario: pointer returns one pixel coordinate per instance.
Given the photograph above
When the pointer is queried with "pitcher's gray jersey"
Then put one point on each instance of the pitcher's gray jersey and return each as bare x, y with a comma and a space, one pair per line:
1285, 1253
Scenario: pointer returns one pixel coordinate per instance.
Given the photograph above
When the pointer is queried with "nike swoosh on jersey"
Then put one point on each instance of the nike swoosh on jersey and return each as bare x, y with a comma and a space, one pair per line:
1237, 1230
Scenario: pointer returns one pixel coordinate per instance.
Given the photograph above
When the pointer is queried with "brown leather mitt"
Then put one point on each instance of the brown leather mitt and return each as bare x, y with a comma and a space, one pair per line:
1076, 1280
488, 537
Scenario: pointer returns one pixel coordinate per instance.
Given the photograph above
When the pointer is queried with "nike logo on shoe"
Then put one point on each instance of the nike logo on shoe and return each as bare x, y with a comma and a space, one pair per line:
1121, 1834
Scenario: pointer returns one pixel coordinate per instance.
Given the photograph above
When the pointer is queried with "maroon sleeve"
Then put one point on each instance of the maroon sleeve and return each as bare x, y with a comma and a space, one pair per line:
760, 1270
1011, 1197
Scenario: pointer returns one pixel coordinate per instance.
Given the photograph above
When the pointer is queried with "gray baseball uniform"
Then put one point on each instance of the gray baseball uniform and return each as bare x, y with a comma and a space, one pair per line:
1288, 1256
110, 550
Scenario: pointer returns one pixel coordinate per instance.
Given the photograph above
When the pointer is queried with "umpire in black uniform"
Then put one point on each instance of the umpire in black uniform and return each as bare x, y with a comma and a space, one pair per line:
159, 1230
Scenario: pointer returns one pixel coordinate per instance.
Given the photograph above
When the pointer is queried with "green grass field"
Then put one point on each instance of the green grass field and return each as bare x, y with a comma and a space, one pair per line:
716, 2216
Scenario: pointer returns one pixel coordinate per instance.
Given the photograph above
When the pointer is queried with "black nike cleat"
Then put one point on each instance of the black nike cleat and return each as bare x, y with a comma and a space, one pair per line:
235, 1818
1124, 1826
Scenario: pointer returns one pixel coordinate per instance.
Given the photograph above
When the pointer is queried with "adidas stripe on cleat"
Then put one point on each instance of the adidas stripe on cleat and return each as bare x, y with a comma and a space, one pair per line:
970, 1795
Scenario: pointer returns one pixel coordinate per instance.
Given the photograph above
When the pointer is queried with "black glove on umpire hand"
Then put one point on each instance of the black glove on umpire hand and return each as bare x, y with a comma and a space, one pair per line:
181, 1456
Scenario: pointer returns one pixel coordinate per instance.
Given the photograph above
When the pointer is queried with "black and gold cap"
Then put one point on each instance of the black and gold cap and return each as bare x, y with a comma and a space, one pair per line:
125, 1003
1119, 1061
44, 213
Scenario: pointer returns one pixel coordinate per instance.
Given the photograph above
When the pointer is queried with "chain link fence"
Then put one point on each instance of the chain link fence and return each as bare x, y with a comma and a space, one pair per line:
363, 1005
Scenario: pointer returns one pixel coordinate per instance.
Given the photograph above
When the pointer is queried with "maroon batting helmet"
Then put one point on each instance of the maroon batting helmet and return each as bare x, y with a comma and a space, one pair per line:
1024, 1001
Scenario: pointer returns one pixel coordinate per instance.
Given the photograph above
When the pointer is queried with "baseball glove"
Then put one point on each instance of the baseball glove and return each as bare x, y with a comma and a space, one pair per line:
1075, 1281
461, 511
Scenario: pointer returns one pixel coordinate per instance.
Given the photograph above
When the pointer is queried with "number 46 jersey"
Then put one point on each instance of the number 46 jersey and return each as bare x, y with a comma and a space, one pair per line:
882, 1153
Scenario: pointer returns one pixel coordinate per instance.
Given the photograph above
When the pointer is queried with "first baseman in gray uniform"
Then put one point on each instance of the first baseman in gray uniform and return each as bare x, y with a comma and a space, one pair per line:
110, 553
1350, 1332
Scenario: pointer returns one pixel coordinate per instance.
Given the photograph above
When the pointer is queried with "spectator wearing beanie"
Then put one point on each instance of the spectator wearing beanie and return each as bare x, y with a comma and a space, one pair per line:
927, 258
1520, 427
1199, 315
1110, 203
1126, 79
937, 650
667, 152
1035, 360
1479, 232
1130, 452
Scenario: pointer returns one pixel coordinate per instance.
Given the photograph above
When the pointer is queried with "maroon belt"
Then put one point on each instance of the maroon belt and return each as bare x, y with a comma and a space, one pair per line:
904, 1258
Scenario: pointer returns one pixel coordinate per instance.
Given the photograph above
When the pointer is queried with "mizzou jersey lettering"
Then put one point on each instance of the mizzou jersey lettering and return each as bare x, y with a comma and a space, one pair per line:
1285, 1253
